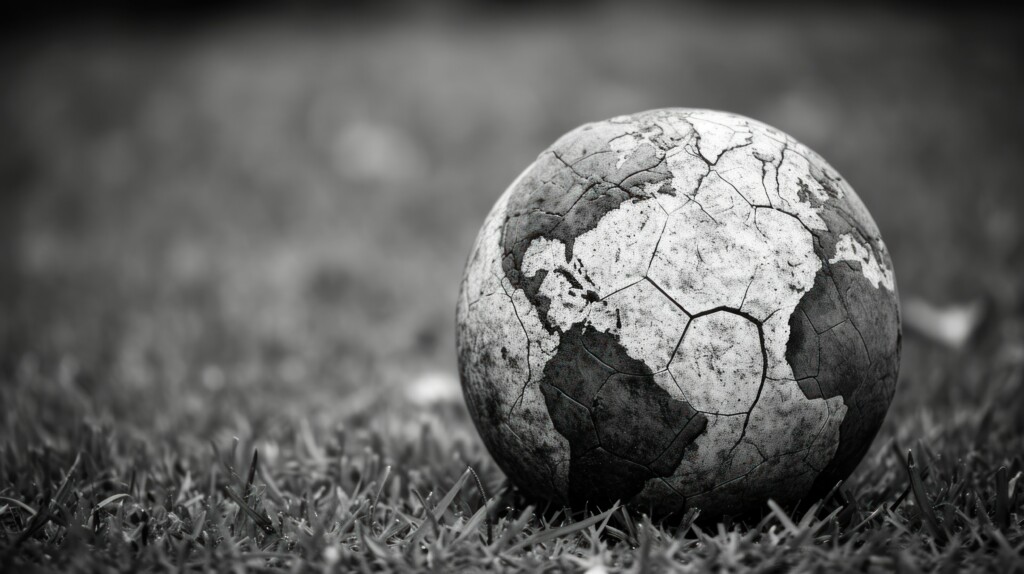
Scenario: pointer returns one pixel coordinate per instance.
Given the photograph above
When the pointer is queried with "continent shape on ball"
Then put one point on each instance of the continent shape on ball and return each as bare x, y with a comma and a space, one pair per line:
678, 308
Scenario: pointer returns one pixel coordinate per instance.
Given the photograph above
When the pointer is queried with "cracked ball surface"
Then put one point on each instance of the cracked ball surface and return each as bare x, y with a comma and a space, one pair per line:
678, 308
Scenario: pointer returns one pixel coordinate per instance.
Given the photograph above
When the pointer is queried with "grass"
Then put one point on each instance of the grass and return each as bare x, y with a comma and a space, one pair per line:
226, 318
393, 495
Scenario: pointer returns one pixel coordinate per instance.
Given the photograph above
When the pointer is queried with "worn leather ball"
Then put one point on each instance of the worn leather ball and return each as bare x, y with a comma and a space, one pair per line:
678, 308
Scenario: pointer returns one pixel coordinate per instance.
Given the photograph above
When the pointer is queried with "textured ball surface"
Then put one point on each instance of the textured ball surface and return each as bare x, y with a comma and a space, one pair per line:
678, 308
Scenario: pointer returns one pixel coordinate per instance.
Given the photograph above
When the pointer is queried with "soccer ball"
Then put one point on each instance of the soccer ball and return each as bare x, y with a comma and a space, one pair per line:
678, 308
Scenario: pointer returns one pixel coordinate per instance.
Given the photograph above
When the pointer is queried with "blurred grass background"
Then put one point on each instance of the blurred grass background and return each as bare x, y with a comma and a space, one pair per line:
227, 226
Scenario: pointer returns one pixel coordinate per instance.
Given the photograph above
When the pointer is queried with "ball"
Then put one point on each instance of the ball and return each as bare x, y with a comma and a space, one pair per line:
678, 308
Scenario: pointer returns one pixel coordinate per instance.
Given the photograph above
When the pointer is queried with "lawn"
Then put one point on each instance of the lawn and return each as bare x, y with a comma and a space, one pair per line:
230, 251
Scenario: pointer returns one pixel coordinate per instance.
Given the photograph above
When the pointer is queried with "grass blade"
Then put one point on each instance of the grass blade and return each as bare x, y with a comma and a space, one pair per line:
22, 505
376, 497
252, 473
783, 517
1003, 499
923, 503
260, 520
472, 524
514, 528
448, 498
111, 499
483, 497
428, 517
555, 533
687, 522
